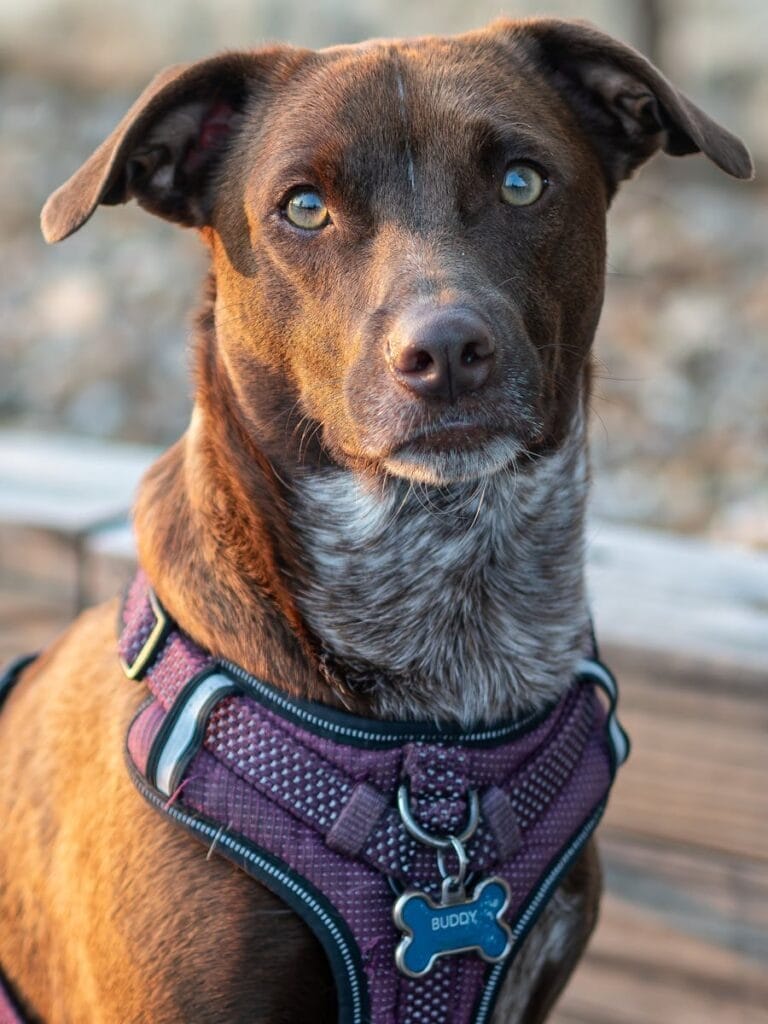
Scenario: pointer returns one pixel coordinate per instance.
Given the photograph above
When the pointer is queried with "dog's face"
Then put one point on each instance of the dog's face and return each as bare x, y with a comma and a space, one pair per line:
408, 238
425, 248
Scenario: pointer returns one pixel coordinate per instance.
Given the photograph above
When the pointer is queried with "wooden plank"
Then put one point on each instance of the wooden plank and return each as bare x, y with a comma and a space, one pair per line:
690, 692
695, 795
28, 622
687, 672
678, 565
698, 773
108, 562
30, 556
639, 970
683, 935
719, 898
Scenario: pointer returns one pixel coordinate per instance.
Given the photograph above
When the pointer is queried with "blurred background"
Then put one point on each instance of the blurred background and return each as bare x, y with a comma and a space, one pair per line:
94, 379
681, 431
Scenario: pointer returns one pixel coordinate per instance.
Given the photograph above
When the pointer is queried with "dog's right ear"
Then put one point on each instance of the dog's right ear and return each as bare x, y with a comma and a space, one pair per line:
166, 148
626, 106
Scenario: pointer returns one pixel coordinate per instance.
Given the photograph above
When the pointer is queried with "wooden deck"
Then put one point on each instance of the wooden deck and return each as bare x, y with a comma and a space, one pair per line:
683, 936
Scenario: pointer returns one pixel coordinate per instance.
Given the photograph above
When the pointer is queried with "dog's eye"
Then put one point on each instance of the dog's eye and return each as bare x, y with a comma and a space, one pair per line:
306, 209
522, 185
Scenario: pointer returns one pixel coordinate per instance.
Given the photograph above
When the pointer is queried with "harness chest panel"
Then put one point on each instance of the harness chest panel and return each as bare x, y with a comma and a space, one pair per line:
419, 856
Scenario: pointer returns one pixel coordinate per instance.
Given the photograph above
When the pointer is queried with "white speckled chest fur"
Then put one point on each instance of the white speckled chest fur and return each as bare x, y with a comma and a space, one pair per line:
464, 604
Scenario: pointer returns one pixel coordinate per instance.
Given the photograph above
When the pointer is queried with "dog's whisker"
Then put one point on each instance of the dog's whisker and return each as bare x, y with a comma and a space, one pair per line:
479, 506
287, 485
308, 436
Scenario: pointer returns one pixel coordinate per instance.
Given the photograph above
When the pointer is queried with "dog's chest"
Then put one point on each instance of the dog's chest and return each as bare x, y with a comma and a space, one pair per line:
465, 604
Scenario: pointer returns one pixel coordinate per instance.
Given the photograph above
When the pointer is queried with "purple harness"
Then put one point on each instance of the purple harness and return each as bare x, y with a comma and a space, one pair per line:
419, 855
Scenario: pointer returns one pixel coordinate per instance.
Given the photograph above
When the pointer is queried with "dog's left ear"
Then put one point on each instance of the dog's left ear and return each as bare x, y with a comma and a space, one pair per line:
167, 148
625, 104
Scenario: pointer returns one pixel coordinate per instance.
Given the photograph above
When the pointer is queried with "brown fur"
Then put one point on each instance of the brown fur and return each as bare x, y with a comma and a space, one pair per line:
114, 915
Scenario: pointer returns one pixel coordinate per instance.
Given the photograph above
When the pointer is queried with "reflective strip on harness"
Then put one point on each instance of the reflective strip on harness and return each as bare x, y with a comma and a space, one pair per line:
177, 742
590, 668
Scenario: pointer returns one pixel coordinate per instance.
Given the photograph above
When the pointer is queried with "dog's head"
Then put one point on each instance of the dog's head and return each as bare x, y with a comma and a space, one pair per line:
407, 237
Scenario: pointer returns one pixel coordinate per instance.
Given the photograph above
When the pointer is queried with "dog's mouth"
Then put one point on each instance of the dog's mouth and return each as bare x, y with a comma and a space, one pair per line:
450, 452
446, 437
453, 456
455, 448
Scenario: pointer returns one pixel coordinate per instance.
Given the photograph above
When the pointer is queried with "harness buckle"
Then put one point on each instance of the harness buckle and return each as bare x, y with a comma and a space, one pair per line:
136, 668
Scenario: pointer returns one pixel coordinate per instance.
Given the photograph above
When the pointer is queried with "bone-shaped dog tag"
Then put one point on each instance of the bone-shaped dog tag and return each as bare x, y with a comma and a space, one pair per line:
432, 930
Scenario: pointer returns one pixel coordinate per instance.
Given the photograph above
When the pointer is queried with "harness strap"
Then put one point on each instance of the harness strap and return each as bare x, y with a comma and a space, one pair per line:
517, 803
353, 818
356, 819
211, 710
502, 821
12, 672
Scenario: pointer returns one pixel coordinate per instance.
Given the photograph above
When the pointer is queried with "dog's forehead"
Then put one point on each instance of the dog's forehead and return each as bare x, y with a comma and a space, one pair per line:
434, 96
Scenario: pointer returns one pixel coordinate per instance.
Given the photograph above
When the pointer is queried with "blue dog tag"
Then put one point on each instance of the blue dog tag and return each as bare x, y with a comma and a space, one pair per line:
459, 925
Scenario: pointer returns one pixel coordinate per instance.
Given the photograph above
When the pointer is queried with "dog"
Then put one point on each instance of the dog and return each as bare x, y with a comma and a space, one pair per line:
379, 503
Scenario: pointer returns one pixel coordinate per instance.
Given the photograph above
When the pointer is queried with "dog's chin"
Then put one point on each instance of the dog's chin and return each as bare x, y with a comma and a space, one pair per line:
453, 465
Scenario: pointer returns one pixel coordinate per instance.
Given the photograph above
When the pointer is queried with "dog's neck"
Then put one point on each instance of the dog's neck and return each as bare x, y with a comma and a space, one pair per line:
464, 604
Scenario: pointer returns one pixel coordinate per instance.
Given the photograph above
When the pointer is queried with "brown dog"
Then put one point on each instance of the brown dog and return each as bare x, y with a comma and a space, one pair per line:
379, 501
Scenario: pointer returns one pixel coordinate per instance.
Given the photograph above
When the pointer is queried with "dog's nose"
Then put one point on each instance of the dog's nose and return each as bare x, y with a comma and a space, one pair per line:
442, 354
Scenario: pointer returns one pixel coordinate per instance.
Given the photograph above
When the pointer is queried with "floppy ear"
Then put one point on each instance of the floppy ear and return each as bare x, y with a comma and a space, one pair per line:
165, 150
625, 104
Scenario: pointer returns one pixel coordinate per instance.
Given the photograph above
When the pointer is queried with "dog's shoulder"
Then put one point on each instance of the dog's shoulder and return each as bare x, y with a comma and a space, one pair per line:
63, 687
77, 839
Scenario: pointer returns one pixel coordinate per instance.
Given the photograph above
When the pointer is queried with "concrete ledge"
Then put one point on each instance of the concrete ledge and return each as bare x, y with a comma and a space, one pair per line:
67, 485
679, 596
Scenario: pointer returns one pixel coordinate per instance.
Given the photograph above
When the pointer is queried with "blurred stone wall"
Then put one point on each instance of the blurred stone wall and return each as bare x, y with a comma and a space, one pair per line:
93, 333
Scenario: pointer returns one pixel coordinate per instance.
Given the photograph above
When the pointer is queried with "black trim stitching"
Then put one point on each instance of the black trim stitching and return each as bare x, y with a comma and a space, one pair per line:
374, 734
13, 998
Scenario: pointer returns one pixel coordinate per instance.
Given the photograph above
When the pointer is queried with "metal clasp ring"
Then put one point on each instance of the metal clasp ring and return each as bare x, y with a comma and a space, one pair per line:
453, 885
428, 838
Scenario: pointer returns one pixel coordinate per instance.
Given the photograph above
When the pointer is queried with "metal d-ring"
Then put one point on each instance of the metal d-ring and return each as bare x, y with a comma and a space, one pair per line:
439, 842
